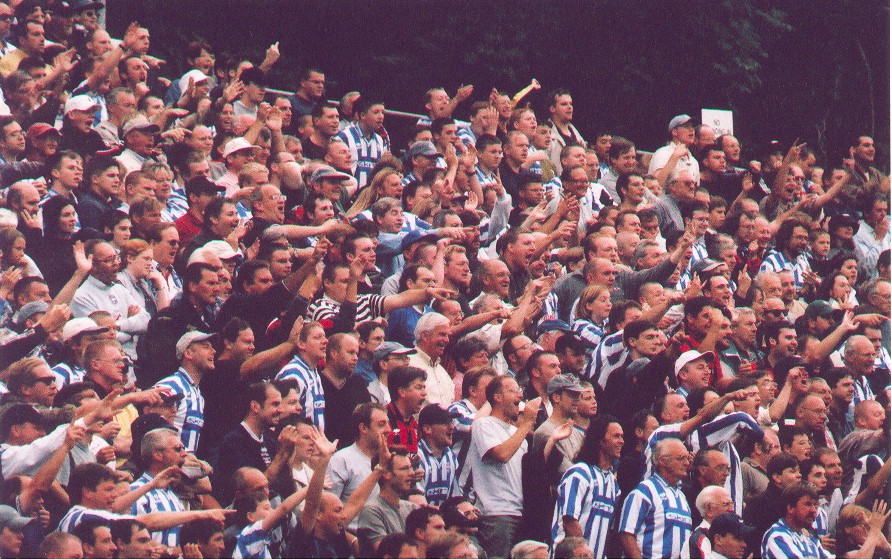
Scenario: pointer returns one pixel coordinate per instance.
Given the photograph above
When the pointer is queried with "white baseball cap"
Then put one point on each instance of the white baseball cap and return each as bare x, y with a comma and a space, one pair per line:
690, 356
189, 338
80, 103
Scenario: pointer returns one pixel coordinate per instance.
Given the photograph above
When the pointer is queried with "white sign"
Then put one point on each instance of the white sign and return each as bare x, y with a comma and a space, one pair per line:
720, 120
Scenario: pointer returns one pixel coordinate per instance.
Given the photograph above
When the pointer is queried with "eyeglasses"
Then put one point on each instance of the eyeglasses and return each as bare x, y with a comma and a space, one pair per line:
46, 380
6, 17
778, 312
178, 448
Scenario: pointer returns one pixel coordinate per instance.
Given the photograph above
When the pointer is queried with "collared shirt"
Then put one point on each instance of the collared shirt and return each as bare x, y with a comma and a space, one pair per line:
440, 474
589, 495
869, 248
66, 374
189, 418
404, 430
115, 299
659, 516
131, 161
781, 541
366, 151
440, 388
309, 388
158, 500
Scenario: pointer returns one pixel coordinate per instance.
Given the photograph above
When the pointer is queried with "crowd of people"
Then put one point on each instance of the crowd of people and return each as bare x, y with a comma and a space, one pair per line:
235, 324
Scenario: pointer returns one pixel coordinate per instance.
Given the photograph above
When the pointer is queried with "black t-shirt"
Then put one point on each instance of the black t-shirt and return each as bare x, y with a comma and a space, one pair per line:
301, 545
220, 416
339, 405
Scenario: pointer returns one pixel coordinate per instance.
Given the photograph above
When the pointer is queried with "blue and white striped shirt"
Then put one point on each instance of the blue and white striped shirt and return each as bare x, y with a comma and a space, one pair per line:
190, 412
467, 136
67, 374
156, 500
253, 542
776, 261
79, 513
485, 179
309, 387
610, 355
699, 253
781, 541
591, 333
659, 516
440, 474
177, 206
589, 495
366, 151
720, 433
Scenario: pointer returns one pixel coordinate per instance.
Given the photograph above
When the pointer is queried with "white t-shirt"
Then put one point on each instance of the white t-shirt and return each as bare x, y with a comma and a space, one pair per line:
497, 484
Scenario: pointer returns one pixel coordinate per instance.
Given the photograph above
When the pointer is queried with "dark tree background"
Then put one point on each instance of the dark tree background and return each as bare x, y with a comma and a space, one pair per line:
817, 70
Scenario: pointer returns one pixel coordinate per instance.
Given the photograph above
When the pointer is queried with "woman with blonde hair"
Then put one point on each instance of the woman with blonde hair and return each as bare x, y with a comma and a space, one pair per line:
592, 310
141, 278
386, 182
859, 532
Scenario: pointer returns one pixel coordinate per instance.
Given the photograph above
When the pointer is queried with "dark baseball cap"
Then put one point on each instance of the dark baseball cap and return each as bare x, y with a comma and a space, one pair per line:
387, 348
202, 185
436, 414
19, 414
729, 522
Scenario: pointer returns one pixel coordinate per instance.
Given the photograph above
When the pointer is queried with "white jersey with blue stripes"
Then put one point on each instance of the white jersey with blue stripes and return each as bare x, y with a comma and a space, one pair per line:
589, 495
158, 500
309, 388
659, 517
189, 418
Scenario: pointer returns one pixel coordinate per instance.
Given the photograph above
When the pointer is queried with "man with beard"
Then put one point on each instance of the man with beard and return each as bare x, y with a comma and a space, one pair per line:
788, 253
386, 513
252, 443
495, 456
791, 536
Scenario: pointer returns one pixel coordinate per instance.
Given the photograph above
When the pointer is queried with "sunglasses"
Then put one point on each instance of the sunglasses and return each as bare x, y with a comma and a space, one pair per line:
46, 380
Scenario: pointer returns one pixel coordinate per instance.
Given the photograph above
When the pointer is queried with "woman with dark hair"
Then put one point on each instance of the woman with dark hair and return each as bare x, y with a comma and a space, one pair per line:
588, 491
55, 254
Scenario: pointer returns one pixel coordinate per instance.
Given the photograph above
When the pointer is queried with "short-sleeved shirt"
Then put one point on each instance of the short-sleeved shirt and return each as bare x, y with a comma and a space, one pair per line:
659, 517
498, 485
589, 495
77, 514
440, 474
379, 519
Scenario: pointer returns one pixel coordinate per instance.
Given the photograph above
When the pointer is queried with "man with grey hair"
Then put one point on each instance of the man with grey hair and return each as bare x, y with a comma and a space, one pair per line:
656, 517
162, 454
859, 355
626, 245
431, 338
681, 186
742, 345
121, 105
711, 502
